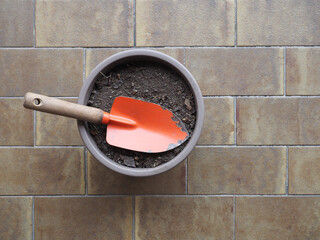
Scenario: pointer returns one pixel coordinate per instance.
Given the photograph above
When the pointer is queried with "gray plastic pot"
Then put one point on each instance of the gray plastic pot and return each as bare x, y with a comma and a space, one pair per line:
140, 55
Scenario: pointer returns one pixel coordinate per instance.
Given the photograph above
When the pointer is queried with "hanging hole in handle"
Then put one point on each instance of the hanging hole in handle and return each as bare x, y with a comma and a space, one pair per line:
37, 102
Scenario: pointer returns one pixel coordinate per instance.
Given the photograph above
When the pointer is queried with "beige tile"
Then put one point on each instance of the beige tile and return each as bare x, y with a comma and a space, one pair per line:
183, 218
278, 121
83, 218
16, 218
267, 218
303, 71
56, 130
292, 22
16, 21
41, 171
102, 180
237, 71
96, 56
56, 72
218, 121
184, 22
84, 23
304, 169
16, 123
237, 170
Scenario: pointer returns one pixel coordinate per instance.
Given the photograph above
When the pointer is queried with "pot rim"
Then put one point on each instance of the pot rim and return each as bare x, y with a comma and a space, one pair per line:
140, 55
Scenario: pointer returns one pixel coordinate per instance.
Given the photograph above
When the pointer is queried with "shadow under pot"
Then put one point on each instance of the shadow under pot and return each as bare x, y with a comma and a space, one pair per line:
153, 77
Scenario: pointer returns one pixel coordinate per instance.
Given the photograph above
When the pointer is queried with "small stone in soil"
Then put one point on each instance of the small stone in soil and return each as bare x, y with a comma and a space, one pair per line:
186, 120
117, 158
188, 104
129, 162
93, 132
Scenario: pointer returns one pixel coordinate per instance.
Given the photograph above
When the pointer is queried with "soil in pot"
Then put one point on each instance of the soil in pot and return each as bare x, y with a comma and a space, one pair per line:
147, 81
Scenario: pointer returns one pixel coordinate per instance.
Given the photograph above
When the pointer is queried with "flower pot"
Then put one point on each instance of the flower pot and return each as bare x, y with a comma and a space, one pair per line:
132, 56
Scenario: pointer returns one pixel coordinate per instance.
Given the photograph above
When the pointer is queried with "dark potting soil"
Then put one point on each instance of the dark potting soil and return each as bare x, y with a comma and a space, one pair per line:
147, 81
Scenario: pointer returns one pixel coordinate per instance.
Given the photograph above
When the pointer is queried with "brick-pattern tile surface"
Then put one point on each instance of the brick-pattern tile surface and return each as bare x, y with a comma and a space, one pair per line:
184, 22
56, 72
303, 71
16, 218
237, 171
254, 173
183, 218
304, 169
237, 71
41, 171
273, 218
81, 23
51, 129
83, 218
273, 22
102, 180
278, 121
16, 21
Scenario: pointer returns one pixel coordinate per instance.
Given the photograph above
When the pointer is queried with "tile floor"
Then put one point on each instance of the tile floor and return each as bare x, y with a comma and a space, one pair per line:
255, 173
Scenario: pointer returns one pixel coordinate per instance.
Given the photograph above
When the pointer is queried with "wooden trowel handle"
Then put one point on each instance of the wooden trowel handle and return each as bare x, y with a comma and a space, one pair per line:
56, 106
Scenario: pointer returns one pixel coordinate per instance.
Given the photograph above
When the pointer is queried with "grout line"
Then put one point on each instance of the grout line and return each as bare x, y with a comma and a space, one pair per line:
163, 195
287, 171
186, 173
84, 65
133, 217
238, 146
234, 218
139, 47
184, 56
34, 23
41, 146
235, 24
246, 46
34, 129
68, 195
86, 171
285, 72
235, 120
22, 97
11, 97
262, 96
254, 146
134, 24
32, 217
181, 46
48, 48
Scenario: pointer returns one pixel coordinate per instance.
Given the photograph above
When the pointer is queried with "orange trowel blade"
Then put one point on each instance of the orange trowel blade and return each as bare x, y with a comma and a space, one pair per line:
155, 130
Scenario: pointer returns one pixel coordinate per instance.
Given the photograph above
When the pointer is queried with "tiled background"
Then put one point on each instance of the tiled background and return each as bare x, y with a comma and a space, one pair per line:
255, 173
